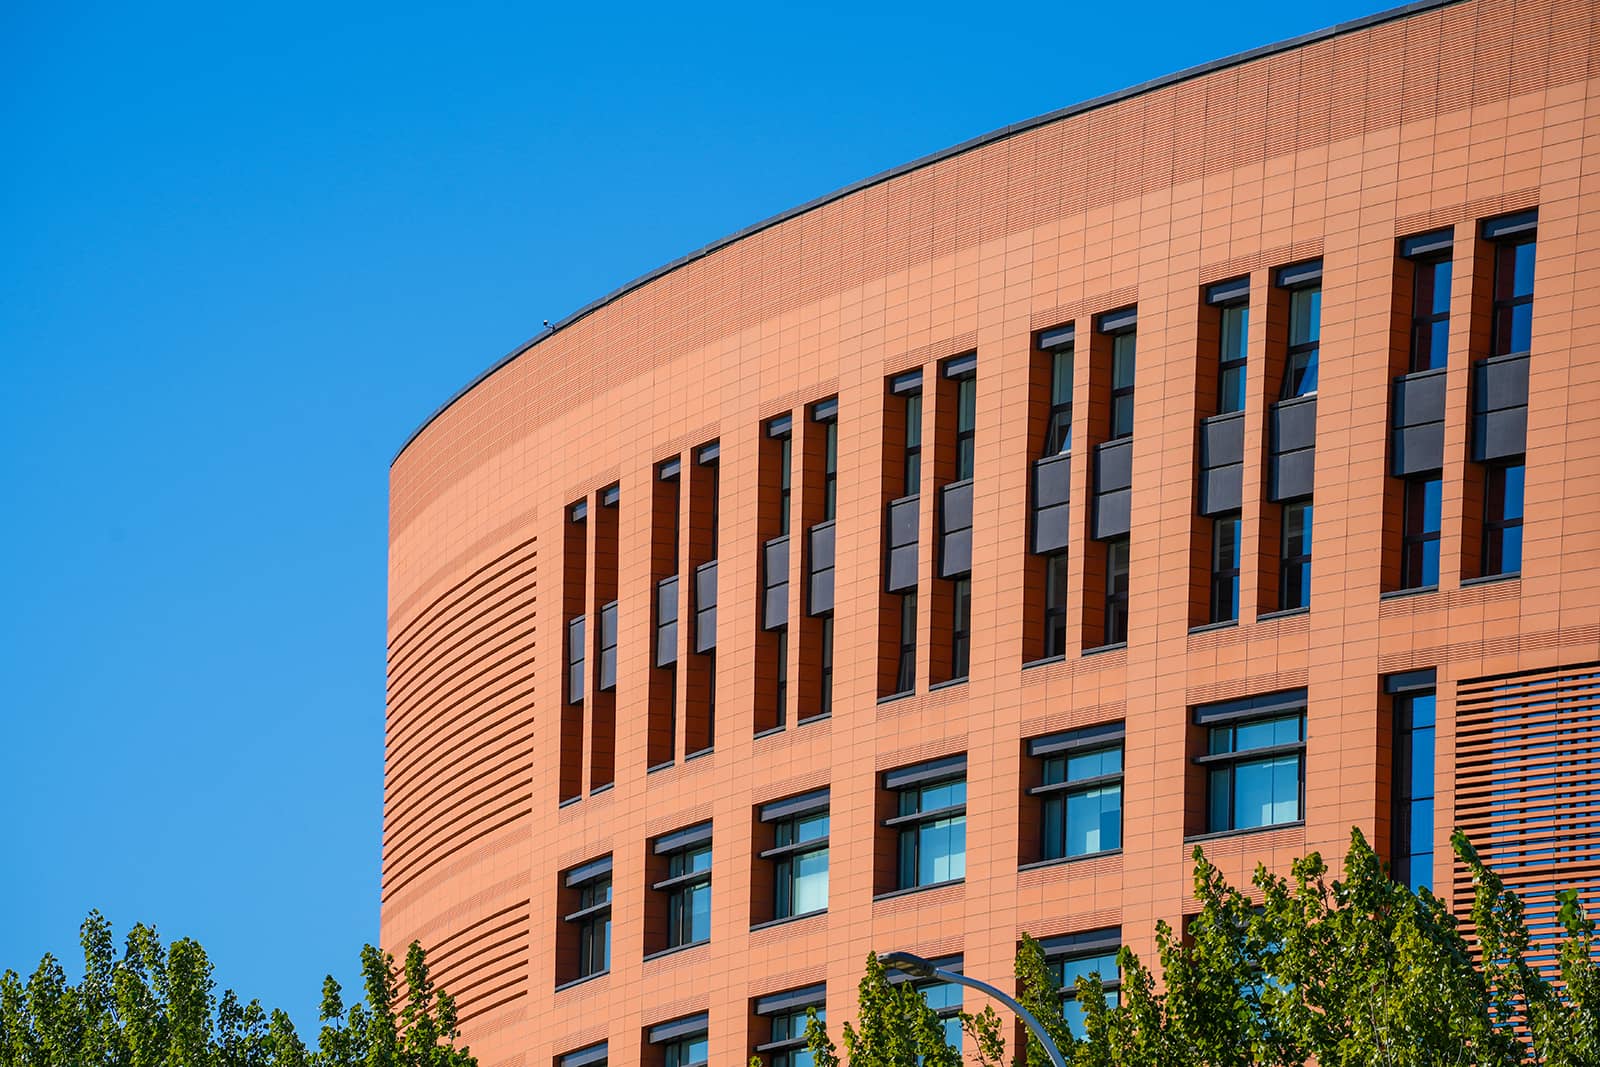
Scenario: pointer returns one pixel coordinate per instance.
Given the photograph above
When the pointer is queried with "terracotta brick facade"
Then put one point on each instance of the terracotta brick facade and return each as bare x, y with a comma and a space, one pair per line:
1333, 151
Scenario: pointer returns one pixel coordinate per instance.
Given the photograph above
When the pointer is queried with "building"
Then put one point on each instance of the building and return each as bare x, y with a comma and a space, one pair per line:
1218, 461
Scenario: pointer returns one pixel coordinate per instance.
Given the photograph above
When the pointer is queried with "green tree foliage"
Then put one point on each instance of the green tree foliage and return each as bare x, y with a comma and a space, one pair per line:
1351, 972
157, 1006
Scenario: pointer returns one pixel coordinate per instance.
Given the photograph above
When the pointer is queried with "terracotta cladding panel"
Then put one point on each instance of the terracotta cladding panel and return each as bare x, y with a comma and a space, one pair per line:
1332, 150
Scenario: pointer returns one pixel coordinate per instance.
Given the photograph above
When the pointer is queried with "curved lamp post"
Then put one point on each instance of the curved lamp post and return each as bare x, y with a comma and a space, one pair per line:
918, 967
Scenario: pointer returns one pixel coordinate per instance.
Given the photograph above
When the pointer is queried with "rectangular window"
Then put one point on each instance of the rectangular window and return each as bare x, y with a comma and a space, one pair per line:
827, 667
1122, 375
1414, 704
687, 886
1254, 761
681, 1042
1512, 329
785, 465
830, 472
1225, 557
943, 997
1502, 519
913, 445
1081, 794
1117, 591
782, 698
1430, 312
1305, 333
1058, 434
589, 1056
961, 628
966, 427
588, 887
787, 1015
906, 672
1419, 558
1232, 356
1086, 955
1055, 605
1294, 573
799, 853
931, 821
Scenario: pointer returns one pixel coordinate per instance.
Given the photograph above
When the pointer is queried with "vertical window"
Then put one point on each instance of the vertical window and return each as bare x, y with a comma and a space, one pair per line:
1254, 762
906, 672
1305, 333
830, 472
799, 853
1122, 374
1055, 605
1414, 705
786, 1016
1502, 519
966, 426
961, 628
1430, 312
1087, 955
1294, 575
588, 888
1232, 356
782, 692
1225, 556
1419, 559
1081, 794
1116, 591
687, 886
785, 462
1058, 434
827, 667
945, 999
931, 821
1512, 330
913, 449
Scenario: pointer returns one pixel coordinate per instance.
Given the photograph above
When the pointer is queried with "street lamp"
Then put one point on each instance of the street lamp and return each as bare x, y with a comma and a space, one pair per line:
918, 967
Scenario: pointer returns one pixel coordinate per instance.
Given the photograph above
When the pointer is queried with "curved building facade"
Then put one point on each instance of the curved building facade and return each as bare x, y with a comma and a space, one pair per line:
1212, 463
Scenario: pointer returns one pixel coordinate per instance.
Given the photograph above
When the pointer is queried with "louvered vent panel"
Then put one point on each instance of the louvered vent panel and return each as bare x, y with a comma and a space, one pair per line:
1528, 790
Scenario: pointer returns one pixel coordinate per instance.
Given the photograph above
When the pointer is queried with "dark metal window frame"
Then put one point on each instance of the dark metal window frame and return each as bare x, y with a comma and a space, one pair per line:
678, 847
780, 429
1228, 297
963, 370
789, 812
1507, 234
1405, 688
593, 917
677, 1033
1055, 604
1063, 747
913, 780
1495, 522
1304, 355
791, 1008
1415, 536
1059, 951
1058, 344
906, 666
827, 670
911, 467
922, 985
960, 628
1427, 253
1290, 564
827, 413
1225, 573
1116, 620
1233, 714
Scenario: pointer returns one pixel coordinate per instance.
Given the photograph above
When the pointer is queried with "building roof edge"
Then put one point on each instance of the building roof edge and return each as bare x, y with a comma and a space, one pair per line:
1162, 82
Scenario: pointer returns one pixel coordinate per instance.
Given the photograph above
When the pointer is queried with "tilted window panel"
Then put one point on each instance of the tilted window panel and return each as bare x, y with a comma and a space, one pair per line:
775, 571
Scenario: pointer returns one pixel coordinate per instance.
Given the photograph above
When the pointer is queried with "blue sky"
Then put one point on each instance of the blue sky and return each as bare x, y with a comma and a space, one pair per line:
244, 252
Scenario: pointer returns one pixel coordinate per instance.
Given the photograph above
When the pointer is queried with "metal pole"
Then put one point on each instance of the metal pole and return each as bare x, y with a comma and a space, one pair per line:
922, 968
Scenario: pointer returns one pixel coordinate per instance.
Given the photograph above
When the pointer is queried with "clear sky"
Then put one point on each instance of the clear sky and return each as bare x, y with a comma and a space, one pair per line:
245, 251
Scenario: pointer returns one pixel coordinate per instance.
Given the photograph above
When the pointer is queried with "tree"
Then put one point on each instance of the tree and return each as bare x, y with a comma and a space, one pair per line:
896, 1028
1354, 972
157, 1006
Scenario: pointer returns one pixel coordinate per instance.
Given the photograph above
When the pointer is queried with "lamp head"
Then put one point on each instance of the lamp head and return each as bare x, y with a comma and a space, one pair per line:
915, 966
